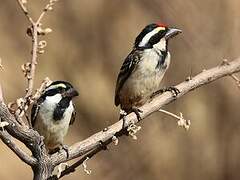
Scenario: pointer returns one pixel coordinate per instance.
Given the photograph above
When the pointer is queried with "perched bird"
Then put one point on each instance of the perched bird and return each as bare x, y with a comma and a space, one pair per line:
53, 112
143, 69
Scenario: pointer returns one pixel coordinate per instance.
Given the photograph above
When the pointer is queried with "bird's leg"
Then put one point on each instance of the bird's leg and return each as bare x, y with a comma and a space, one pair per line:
131, 128
175, 91
137, 112
123, 116
65, 148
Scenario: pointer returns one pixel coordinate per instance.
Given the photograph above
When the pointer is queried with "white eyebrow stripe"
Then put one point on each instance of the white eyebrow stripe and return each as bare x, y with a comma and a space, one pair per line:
147, 37
56, 86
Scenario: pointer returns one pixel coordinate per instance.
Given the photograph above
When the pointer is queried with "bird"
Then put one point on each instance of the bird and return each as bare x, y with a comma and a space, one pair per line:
53, 112
143, 69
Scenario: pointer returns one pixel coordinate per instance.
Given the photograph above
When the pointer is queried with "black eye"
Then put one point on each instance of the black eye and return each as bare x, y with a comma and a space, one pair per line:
61, 89
51, 92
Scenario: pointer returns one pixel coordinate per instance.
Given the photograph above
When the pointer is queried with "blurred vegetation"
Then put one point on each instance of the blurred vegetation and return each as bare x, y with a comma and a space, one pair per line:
89, 42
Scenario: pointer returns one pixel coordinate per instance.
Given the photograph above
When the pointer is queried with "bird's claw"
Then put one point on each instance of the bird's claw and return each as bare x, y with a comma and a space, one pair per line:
175, 91
65, 148
137, 112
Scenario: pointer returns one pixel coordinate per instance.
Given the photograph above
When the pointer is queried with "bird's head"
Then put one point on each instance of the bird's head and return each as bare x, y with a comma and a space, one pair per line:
155, 34
61, 87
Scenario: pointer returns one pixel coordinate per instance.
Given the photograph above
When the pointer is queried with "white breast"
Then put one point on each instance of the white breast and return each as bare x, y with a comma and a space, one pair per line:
52, 130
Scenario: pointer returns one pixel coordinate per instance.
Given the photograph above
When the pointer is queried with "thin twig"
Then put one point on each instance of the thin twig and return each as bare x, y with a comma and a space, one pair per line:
236, 79
25, 11
48, 7
73, 167
31, 67
181, 121
40, 90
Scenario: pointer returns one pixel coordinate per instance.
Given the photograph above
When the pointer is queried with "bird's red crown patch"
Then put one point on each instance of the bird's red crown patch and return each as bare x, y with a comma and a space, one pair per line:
161, 24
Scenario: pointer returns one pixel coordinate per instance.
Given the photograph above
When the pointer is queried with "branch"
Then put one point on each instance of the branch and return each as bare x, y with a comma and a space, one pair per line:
236, 79
25, 11
181, 121
33, 64
91, 143
48, 7
29, 68
73, 167
8, 140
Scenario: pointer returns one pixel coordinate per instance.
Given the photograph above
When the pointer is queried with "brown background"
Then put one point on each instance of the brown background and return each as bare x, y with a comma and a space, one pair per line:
89, 42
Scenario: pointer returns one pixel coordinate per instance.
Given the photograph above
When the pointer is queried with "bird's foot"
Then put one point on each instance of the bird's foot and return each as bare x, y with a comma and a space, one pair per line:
175, 91
123, 115
137, 112
65, 148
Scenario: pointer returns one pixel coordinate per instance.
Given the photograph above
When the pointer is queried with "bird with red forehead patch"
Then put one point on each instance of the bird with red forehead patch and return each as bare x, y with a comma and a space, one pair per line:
144, 67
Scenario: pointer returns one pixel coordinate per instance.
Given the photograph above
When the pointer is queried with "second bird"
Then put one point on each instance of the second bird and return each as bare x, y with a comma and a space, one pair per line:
53, 113
143, 69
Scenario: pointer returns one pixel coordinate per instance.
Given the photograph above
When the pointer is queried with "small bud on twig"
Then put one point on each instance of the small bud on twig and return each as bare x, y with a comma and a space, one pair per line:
42, 44
61, 169
181, 121
115, 140
132, 130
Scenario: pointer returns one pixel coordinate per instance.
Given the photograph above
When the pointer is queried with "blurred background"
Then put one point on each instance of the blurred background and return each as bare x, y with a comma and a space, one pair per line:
89, 42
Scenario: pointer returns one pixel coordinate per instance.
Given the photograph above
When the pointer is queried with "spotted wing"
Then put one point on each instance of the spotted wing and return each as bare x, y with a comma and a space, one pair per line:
127, 68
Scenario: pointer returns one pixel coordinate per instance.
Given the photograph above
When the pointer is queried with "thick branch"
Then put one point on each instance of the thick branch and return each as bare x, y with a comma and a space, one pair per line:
24, 134
205, 77
8, 140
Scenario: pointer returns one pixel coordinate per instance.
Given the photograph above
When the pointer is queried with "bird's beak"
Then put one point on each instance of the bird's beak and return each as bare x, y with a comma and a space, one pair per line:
70, 93
172, 32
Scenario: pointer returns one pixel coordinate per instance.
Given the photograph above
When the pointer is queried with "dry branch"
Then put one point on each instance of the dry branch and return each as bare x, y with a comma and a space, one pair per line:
45, 164
205, 77
8, 140
236, 79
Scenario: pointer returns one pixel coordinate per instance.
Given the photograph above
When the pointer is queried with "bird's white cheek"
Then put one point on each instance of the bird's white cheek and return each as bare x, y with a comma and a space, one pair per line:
161, 45
53, 99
